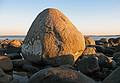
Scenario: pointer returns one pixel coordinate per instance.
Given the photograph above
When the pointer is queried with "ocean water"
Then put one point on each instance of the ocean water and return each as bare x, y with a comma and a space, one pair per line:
95, 37
12, 37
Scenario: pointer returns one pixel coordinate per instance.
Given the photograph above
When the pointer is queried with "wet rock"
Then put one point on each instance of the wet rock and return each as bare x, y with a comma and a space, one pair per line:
59, 75
51, 35
114, 77
6, 63
4, 78
88, 65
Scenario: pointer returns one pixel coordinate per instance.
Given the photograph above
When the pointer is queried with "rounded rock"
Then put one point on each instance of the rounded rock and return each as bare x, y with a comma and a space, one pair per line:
59, 75
6, 63
50, 35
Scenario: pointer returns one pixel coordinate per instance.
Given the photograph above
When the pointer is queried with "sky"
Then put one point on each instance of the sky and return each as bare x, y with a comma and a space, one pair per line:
89, 16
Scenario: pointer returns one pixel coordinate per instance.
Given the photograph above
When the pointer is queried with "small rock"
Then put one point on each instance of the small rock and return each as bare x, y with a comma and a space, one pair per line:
15, 43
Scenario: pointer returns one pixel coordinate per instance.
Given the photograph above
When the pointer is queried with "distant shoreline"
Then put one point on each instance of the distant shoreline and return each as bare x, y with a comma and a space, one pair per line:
25, 35
22, 37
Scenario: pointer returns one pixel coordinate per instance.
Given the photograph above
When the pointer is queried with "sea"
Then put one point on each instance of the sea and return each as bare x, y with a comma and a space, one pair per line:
95, 37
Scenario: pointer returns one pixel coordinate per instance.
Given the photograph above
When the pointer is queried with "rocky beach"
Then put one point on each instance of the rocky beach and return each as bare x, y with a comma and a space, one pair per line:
54, 51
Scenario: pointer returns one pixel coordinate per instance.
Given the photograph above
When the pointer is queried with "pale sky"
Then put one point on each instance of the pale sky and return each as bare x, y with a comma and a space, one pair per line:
89, 16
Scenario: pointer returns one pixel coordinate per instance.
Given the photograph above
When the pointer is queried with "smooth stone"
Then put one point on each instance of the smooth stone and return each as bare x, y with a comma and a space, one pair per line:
59, 75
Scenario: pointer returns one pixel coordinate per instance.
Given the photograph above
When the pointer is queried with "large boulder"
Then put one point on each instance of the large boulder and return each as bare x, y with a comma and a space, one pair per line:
6, 63
51, 35
114, 77
59, 75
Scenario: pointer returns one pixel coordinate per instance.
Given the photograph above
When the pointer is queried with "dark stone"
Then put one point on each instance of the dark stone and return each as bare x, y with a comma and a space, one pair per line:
114, 77
13, 50
116, 57
14, 56
104, 50
59, 75
105, 61
88, 65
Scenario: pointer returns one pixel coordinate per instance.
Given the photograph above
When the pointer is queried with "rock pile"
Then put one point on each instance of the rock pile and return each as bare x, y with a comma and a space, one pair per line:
54, 51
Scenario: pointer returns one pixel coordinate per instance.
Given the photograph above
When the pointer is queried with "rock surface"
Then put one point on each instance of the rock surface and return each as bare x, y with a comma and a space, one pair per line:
88, 65
5, 63
114, 77
89, 51
59, 75
4, 78
50, 35
89, 41
15, 43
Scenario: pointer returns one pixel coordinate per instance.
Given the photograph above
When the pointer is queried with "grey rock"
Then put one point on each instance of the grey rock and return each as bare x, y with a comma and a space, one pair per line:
59, 75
